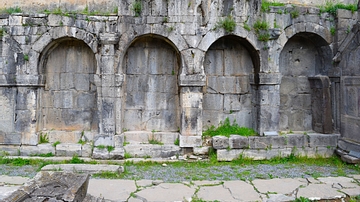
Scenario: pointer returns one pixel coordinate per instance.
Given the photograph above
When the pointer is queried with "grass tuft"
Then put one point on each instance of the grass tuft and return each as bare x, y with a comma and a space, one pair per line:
44, 138
331, 7
228, 24
265, 5
136, 7
226, 129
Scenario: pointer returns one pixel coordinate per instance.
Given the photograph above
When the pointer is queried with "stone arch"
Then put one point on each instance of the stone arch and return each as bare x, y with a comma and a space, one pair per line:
151, 66
303, 56
68, 102
173, 38
230, 65
212, 37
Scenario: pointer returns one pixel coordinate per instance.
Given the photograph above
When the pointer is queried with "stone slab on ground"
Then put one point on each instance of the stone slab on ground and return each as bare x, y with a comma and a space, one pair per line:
84, 168
242, 191
167, 192
116, 190
13, 180
211, 193
279, 186
320, 192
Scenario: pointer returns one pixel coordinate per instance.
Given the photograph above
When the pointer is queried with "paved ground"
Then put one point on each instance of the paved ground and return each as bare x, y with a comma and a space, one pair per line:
256, 190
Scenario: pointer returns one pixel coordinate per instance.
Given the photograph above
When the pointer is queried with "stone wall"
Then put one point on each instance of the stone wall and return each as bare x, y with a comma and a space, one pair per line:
172, 67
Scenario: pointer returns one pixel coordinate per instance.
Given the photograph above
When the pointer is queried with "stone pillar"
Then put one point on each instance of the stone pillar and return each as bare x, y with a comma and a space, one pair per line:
108, 90
268, 101
321, 104
192, 79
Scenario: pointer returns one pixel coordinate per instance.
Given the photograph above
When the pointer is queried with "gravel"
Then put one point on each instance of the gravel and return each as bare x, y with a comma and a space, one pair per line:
176, 173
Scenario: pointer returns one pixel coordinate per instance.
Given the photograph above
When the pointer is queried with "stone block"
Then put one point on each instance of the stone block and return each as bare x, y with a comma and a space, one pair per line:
81, 82
12, 150
106, 140
220, 142
348, 145
190, 141
68, 149
191, 121
350, 159
267, 142
213, 101
54, 20
229, 155
36, 150
64, 186
119, 140
323, 140
232, 102
10, 138
117, 153
315, 152
15, 20
63, 136
204, 150
151, 150
165, 137
296, 140
86, 150
137, 136
255, 154
238, 142
100, 153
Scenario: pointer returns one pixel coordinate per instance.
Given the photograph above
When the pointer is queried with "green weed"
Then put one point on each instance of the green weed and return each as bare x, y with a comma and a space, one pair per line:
110, 148
332, 30
294, 13
107, 175
228, 24
11, 10
154, 141
136, 7
56, 143
264, 37
331, 7
302, 199
76, 160
50, 154
226, 129
127, 155
247, 27
265, 5
177, 142
2, 31
43, 138
101, 147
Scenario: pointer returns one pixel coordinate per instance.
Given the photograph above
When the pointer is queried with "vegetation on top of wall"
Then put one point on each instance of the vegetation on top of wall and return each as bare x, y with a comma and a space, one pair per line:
136, 7
228, 24
265, 5
226, 129
331, 7
86, 11
10, 10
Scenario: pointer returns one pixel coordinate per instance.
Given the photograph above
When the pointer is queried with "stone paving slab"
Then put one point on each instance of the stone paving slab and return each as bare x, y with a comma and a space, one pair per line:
167, 192
84, 168
320, 191
116, 190
212, 193
13, 180
242, 191
278, 186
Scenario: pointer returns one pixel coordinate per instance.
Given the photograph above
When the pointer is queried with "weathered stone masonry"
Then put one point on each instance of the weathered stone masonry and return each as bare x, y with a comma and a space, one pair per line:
172, 72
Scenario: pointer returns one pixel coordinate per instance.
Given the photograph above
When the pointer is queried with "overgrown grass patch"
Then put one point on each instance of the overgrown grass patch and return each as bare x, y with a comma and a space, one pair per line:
226, 129
331, 7
228, 24
265, 5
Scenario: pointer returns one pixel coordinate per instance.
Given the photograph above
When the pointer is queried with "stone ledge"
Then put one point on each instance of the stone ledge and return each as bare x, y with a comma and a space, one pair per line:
84, 168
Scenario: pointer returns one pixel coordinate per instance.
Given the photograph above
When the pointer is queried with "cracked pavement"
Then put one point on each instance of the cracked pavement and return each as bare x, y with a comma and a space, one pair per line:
269, 190
329, 188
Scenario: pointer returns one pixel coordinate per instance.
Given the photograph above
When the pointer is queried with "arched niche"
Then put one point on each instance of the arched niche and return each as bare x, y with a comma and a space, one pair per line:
68, 102
229, 64
304, 56
151, 93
